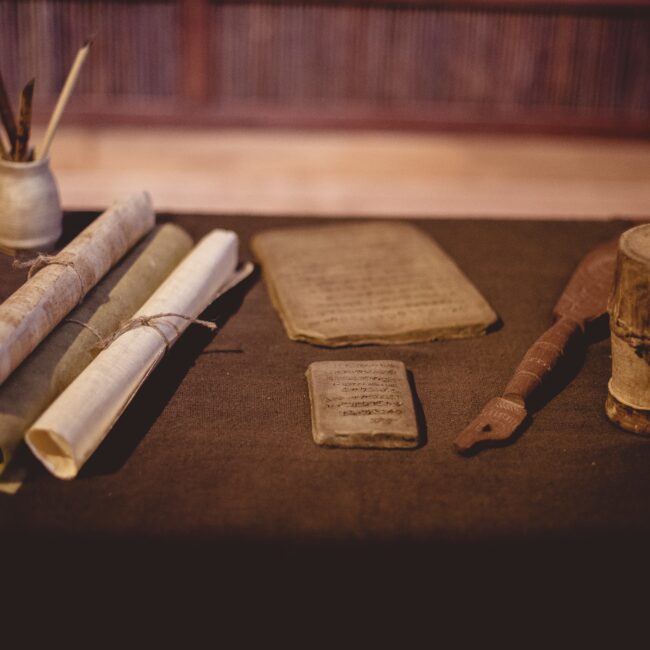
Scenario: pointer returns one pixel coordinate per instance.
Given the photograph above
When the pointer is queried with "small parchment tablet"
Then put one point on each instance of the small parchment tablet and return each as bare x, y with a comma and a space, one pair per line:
368, 283
361, 404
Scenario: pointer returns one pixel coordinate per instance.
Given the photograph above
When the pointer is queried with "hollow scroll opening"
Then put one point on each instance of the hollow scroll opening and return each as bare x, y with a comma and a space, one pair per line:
53, 453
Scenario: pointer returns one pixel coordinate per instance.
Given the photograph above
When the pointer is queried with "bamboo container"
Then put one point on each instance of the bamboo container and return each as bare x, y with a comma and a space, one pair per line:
628, 400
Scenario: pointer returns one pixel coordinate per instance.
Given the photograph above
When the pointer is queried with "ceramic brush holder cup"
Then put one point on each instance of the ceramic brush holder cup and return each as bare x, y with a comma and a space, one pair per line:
30, 208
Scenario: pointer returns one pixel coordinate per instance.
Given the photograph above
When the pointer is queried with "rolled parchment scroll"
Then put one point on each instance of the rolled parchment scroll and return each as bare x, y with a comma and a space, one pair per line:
65, 436
33, 386
36, 308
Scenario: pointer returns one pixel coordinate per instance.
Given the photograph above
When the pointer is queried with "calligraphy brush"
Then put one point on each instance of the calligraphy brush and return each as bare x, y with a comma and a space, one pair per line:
7, 115
24, 122
68, 87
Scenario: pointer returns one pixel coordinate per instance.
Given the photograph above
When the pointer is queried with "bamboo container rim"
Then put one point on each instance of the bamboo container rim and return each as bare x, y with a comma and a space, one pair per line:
640, 253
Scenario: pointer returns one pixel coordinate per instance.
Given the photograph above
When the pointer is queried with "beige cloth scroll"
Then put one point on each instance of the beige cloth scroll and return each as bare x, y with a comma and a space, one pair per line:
34, 310
33, 386
65, 436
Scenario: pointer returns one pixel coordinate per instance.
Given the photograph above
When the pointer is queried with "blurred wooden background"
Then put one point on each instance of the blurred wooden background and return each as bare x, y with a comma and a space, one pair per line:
560, 66
404, 107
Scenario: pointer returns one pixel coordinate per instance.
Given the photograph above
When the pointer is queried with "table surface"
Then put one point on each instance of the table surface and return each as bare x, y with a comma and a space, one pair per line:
217, 445
354, 173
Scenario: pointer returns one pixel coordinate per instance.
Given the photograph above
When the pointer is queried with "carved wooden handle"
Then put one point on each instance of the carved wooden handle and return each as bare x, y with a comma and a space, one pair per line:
502, 416
541, 359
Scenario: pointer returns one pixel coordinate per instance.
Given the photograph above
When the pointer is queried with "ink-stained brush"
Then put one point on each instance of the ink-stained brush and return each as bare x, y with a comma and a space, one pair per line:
24, 122
61, 103
6, 114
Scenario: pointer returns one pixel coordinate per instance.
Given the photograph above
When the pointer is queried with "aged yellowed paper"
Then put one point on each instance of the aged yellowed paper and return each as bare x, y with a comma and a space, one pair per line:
361, 404
376, 282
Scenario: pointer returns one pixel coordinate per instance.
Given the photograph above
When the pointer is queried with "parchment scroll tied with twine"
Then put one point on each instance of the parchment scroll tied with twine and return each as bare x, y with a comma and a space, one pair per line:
55, 363
144, 321
42, 260
65, 436
33, 311
150, 321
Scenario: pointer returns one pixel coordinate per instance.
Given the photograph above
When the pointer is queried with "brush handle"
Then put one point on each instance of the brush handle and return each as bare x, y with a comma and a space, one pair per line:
61, 103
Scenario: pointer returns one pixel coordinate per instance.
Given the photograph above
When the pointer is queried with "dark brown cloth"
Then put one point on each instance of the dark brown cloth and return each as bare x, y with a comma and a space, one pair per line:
217, 446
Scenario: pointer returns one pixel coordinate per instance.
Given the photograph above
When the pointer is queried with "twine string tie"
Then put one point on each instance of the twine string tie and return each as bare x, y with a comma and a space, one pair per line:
143, 321
41, 260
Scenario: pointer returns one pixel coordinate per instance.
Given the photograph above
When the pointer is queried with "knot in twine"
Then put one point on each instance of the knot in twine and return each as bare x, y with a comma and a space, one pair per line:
41, 261
144, 321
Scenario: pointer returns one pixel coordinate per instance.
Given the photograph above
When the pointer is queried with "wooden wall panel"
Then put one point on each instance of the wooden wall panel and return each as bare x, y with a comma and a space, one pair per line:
475, 64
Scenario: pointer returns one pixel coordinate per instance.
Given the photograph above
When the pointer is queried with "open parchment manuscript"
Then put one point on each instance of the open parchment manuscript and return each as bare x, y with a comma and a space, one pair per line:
376, 282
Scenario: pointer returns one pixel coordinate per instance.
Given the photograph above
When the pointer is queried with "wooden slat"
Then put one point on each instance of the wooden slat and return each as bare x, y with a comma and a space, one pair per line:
454, 118
195, 39
568, 5
355, 173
